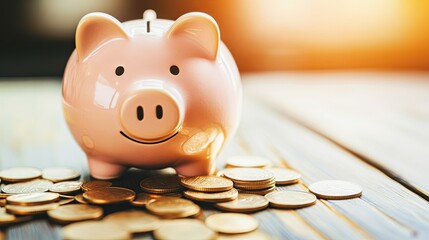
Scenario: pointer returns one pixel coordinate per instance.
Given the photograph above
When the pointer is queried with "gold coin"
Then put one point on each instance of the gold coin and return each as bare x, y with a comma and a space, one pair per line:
2, 202
142, 199
134, 221
37, 185
211, 197
173, 207
207, 183
59, 174
248, 175
232, 223
79, 198
94, 230
75, 212
65, 201
284, 176
161, 184
66, 187
91, 185
254, 235
20, 174
109, 195
31, 210
335, 189
258, 192
244, 203
6, 218
184, 229
247, 162
28, 199
291, 199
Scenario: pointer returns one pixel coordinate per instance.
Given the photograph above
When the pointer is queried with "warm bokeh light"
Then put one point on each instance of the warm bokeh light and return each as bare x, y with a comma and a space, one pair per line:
310, 34
262, 34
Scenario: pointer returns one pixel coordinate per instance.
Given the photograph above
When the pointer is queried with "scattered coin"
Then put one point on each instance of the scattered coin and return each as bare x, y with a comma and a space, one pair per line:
65, 201
291, 199
109, 195
79, 198
134, 221
211, 197
28, 199
244, 203
20, 174
31, 210
37, 185
6, 218
284, 176
161, 184
173, 207
91, 185
94, 230
142, 199
59, 174
207, 183
248, 175
232, 223
75, 212
335, 189
186, 229
66, 187
247, 162
254, 235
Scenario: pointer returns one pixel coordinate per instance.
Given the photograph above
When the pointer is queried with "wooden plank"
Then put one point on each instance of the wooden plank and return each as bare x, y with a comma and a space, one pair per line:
44, 139
382, 118
386, 204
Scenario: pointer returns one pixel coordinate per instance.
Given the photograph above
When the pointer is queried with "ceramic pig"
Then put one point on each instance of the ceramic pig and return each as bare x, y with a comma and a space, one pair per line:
151, 93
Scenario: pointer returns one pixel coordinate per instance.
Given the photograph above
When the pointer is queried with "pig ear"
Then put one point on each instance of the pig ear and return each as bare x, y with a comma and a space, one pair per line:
95, 29
199, 27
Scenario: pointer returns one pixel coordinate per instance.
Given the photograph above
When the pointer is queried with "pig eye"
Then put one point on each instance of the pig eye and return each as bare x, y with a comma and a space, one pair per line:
119, 71
174, 70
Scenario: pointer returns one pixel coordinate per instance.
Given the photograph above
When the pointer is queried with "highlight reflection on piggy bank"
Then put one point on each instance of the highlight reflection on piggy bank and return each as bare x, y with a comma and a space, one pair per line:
151, 93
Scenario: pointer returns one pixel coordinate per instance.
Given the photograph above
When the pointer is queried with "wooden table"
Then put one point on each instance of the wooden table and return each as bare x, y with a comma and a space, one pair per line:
368, 128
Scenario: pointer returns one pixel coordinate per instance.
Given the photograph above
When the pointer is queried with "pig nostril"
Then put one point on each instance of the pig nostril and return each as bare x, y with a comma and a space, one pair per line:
140, 113
159, 112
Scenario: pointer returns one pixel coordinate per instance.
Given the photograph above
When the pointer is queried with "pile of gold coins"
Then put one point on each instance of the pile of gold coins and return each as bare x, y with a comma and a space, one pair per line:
167, 205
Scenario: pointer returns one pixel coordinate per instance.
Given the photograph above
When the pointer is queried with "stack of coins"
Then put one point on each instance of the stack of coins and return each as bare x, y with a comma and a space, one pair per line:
251, 180
209, 189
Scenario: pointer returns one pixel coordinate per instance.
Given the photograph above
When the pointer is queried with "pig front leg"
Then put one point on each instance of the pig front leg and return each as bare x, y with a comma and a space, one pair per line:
101, 169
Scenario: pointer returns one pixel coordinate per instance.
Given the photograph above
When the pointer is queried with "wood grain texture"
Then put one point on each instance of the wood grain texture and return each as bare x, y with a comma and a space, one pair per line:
33, 133
317, 159
382, 118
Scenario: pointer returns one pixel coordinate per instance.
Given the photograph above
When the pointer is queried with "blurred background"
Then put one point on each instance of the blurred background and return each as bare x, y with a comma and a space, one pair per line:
263, 35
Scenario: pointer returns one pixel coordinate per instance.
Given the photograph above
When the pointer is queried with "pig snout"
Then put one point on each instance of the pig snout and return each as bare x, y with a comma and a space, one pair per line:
151, 115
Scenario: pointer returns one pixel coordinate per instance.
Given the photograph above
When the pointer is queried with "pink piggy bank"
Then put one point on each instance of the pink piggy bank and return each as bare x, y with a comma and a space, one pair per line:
151, 93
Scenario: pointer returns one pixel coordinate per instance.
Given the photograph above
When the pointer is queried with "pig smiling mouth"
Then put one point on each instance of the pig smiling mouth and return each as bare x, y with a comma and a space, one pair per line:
126, 136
